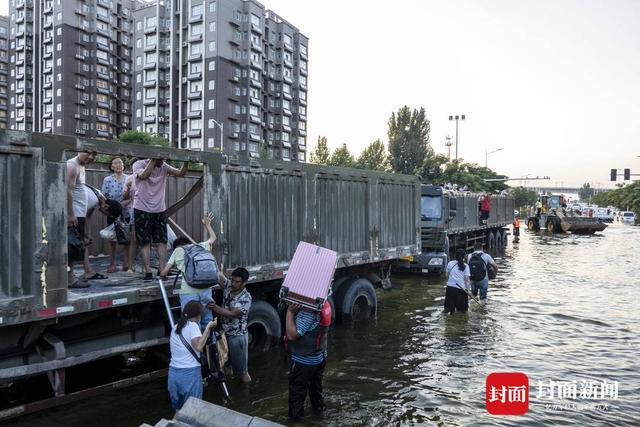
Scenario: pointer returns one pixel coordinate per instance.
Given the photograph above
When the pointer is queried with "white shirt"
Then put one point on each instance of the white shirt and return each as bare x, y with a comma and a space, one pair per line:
180, 356
456, 276
79, 191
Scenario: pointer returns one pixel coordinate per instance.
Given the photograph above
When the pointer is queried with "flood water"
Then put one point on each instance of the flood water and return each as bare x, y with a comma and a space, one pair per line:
563, 308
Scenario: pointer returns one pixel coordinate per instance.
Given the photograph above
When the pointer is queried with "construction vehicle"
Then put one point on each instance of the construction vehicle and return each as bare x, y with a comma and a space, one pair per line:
555, 218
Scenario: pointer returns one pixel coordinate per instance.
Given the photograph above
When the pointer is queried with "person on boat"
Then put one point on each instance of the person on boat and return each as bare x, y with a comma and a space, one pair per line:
186, 342
458, 280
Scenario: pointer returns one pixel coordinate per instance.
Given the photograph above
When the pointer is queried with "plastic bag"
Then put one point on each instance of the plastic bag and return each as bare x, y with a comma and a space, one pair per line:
171, 236
75, 245
108, 233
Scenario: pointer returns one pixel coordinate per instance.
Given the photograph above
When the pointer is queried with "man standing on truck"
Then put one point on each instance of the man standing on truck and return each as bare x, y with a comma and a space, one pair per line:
149, 206
306, 339
485, 208
77, 202
236, 303
479, 265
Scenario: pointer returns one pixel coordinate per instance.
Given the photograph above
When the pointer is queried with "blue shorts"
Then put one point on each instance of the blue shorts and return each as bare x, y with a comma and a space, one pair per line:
184, 383
239, 353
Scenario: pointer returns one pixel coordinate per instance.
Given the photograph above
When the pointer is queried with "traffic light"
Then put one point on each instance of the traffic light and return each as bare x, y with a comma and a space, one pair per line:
614, 174
627, 174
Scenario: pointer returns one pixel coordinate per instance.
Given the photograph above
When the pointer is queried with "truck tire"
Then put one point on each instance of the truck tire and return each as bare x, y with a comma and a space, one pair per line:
498, 239
491, 240
531, 225
359, 301
505, 238
264, 326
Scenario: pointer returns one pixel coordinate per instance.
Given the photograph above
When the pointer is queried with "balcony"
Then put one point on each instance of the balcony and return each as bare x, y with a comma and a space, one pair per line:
195, 18
302, 132
103, 119
256, 29
194, 114
194, 95
80, 131
233, 135
48, 25
256, 65
19, 76
256, 47
302, 117
286, 95
234, 79
102, 75
303, 71
47, 115
149, 119
254, 119
149, 83
195, 37
255, 83
103, 104
102, 133
195, 76
103, 31
103, 90
303, 56
151, 29
150, 47
302, 147
286, 112
79, 86
148, 101
302, 102
20, 90
80, 11
79, 101
286, 144
19, 105
149, 65
254, 137
194, 133
79, 56
255, 101
195, 57
288, 47
303, 86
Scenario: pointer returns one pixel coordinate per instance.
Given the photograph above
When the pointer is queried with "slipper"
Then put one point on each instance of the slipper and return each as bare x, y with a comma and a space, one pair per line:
97, 276
79, 284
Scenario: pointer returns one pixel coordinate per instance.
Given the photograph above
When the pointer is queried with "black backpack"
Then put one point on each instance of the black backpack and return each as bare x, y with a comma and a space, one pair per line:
477, 267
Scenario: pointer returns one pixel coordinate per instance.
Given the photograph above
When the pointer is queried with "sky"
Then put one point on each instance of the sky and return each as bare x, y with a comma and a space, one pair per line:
554, 83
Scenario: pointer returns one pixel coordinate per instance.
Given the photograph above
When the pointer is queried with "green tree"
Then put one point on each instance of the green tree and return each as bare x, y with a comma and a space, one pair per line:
321, 153
586, 192
408, 139
374, 157
342, 157
524, 197
432, 168
626, 197
137, 137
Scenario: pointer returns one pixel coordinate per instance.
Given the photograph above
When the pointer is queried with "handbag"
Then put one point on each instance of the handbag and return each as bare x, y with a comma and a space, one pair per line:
75, 245
202, 360
222, 348
123, 232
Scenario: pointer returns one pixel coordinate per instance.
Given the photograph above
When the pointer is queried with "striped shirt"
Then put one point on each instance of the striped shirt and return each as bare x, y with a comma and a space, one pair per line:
306, 322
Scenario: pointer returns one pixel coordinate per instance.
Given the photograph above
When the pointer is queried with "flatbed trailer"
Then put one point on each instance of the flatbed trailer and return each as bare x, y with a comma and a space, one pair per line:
261, 209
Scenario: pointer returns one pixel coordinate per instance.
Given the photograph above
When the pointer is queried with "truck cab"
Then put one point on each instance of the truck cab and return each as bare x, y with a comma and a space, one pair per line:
435, 213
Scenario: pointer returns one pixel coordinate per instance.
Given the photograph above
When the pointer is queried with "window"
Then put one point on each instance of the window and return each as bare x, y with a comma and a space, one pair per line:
196, 67
212, 65
254, 93
101, 97
212, 26
150, 41
150, 75
212, 104
212, 46
150, 93
286, 121
287, 39
196, 10
196, 29
196, 48
195, 87
102, 112
102, 55
286, 104
253, 110
196, 105
255, 20
101, 84
138, 61
150, 58
303, 49
212, 84
150, 21
195, 124
139, 43
286, 88
303, 96
212, 6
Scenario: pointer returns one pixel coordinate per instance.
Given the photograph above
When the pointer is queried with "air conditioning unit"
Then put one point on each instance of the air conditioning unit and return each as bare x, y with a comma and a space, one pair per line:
184, 44
184, 80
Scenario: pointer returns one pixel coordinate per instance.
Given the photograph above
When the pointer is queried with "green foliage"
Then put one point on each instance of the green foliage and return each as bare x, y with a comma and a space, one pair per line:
585, 193
408, 139
524, 197
137, 137
374, 157
342, 157
624, 198
436, 169
321, 154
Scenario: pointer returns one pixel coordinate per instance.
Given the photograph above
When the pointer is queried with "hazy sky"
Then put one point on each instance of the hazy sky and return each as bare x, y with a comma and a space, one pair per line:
553, 82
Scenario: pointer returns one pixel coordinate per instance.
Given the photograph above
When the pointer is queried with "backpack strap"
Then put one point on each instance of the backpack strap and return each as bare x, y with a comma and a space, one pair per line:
188, 346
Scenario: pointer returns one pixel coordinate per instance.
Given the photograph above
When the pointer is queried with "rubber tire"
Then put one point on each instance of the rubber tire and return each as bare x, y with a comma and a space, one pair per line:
264, 326
505, 238
498, 239
333, 309
551, 226
491, 240
358, 292
531, 225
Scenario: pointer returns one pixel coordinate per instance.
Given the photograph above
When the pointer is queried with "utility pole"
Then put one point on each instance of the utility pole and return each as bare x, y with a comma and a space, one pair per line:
448, 144
457, 118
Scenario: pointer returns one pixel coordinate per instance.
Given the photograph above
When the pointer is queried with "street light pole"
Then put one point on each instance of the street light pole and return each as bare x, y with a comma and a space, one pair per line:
456, 118
486, 155
221, 126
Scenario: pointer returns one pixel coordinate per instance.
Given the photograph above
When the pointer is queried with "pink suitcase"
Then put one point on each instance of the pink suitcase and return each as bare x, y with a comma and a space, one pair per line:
310, 275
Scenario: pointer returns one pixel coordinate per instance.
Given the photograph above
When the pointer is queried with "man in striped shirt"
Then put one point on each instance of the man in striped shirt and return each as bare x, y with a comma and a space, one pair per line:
307, 342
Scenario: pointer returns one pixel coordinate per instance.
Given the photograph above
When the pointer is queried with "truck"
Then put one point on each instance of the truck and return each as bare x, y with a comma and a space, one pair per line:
262, 209
555, 218
451, 220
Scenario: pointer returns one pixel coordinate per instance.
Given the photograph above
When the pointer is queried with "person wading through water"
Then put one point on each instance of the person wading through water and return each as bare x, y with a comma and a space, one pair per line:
516, 227
456, 297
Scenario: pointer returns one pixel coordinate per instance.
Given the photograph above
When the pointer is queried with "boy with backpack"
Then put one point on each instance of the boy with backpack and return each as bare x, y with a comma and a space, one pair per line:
479, 265
198, 269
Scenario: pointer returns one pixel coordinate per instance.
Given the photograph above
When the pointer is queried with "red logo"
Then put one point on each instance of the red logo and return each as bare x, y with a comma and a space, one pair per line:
507, 393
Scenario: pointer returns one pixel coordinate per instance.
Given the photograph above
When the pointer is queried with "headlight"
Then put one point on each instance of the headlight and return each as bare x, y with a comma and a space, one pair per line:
435, 261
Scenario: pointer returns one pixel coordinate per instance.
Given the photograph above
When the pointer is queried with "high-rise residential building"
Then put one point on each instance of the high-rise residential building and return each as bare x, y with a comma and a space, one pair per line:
71, 66
202, 73
4, 71
206, 71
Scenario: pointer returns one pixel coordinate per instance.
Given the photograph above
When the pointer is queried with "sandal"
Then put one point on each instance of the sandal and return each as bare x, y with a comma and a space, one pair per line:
97, 276
77, 284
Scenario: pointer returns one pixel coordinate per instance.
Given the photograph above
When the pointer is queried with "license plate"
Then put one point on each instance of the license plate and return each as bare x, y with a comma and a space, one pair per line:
425, 270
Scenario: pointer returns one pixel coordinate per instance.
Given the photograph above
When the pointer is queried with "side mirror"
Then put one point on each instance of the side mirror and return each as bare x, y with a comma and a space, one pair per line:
452, 207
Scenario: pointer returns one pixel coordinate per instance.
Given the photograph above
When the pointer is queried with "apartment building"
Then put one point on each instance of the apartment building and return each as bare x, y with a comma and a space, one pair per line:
71, 71
4, 71
211, 74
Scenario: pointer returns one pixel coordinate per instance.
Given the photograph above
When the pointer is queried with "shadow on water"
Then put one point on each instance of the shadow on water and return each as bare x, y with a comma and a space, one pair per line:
563, 308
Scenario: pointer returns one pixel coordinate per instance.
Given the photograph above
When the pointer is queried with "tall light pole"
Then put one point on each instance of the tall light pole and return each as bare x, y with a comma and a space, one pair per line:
456, 118
221, 126
486, 155
448, 144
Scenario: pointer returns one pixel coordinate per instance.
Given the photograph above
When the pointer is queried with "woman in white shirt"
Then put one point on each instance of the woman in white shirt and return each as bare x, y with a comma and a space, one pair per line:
185, 376
458, 280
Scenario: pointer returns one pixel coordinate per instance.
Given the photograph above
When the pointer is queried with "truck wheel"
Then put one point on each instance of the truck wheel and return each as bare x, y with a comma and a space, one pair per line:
498, 240
491, 240
505, 238
551, 226
263, 325
531, 225
359, 301
333, 309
